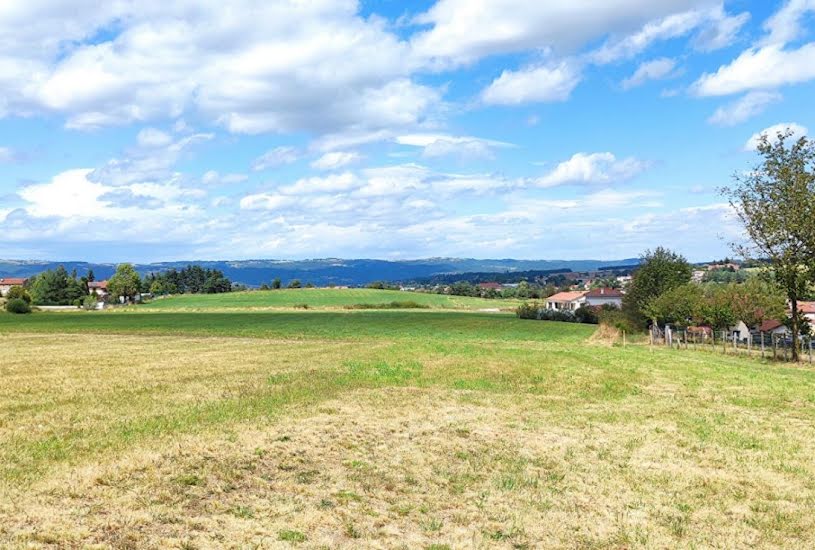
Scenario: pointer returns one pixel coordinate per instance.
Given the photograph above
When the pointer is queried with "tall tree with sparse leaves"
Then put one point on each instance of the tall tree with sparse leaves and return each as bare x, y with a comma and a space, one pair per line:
776, 204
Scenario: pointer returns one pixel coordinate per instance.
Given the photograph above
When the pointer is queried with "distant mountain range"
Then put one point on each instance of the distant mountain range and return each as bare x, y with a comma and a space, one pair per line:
323, 272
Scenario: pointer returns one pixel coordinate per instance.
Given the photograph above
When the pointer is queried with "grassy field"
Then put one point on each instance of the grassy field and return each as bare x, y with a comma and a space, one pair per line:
323, 298
413, 429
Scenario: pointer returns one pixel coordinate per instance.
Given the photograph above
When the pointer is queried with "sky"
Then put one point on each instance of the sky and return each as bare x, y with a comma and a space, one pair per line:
146, 130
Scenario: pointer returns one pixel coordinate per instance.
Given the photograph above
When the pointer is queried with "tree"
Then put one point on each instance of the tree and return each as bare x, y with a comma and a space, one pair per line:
295, 283
277, 283
55, 287
775, 202
660, 270
125, 282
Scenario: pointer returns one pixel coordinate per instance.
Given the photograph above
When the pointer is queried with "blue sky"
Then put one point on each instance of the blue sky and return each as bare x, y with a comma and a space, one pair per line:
147, 131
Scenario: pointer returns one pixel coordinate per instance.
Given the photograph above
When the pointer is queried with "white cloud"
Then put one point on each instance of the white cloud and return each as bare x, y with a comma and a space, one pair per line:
744, 108
462, 31
714, 29
68, 194
252, 67
785, 25
656, 69
328, 184
213, 177
336, 159
534, 84
151, 137
772, 134
265, 201
276, 157
592, 168
439, 145
760, 68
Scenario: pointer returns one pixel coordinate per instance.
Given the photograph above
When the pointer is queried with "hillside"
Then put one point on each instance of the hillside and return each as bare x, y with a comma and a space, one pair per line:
321, 272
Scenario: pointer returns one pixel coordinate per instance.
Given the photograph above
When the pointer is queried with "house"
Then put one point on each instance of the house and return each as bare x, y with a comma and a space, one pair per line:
8, 282
697, 276
601, 296
740, 330
771, 326
490, 286
808, 309
728, 266
566, 301
98, 289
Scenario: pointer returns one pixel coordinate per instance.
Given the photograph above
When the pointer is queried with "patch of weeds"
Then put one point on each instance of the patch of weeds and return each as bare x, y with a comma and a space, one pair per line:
243, 512
438, 547
306, 477
432, 525
326, 504
284, 438
260, 453
345, 496
463, 432
402, 509
395, 372
278, 379
189, 480
290, 535
351, 531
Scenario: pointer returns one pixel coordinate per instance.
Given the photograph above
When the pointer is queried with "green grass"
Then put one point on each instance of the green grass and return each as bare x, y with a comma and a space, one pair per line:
321, 298
348, 325
146, 428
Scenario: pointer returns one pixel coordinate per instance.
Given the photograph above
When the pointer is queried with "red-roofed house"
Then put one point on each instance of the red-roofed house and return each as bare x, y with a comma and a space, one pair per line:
566, 301
8, 282
771, 326
808, 309
602, 296
98, 288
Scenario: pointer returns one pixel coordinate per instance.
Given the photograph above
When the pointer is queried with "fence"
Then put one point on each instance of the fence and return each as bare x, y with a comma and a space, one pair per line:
777, 346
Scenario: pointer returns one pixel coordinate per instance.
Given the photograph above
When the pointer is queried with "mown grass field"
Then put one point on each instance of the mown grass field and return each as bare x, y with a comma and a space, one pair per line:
396, 429
323, 298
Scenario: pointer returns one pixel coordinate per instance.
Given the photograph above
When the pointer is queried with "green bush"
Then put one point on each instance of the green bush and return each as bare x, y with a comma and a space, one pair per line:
18, 305
404, 304
19, 293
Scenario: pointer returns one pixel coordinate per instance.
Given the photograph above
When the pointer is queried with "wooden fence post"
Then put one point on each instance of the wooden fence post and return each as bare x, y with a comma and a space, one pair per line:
762, 345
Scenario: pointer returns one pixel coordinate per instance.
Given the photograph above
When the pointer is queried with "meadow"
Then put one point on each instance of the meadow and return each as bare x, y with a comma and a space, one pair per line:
400, 429
324, 298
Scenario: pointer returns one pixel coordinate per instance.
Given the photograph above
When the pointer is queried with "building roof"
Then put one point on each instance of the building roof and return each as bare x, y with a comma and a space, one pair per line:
770, 325
604, 293
566, 296
807, 307
102, 285
490, 286
13, 281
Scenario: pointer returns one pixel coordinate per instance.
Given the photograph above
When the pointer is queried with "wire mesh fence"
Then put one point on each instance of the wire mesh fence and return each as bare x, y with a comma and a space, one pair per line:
771, 345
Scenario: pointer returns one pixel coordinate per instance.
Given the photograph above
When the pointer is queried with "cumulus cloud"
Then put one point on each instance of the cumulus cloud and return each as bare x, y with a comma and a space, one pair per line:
760, 68
534, 84
744, 108
656, 69
251, 67
772, 132
592, 168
